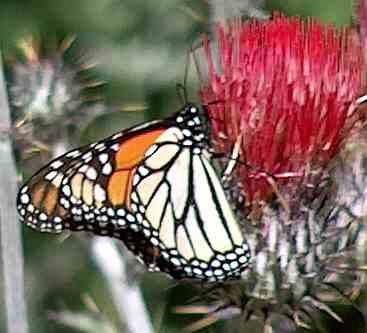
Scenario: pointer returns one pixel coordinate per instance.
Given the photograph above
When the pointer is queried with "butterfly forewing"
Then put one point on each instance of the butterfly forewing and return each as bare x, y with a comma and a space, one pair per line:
153, 187
87, 188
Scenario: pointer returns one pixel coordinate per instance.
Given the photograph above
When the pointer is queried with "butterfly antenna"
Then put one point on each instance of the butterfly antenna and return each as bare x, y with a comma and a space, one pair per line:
182, 87
186, 75
181, 93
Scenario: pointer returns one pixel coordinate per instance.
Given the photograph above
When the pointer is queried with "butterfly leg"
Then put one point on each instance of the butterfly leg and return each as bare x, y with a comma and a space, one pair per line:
233, 161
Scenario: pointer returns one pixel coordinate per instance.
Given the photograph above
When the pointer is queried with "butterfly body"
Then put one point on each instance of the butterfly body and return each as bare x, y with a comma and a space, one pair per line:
153, 187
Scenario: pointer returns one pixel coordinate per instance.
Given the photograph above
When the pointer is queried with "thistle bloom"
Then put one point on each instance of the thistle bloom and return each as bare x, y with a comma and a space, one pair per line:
283, 98
285, 88
48, 97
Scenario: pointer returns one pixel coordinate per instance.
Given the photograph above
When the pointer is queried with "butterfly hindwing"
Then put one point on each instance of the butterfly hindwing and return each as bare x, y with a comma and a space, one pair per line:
179, 201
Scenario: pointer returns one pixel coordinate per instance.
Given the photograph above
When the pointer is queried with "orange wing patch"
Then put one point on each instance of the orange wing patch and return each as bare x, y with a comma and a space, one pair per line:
132, 151
38, 193
45, 197
51, 199
130, 154
118, 186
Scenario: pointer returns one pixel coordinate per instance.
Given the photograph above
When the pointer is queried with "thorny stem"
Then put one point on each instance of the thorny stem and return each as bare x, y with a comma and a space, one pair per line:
126, 294
10, 243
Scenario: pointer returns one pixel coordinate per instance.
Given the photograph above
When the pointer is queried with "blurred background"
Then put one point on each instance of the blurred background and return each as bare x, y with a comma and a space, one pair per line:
123, 59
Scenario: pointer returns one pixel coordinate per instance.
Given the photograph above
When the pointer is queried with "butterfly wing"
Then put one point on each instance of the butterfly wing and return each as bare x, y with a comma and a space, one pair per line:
89, 187
178, 200
153, 187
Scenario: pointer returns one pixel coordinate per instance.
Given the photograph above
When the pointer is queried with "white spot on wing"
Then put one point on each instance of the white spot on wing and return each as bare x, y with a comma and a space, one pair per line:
103, 158
24, 199
186, 132
56, 164
121, 212
73, 153
100, 146
86, 156
175, 261
66, 190
91, 173
51, 175
115, 147
107, 169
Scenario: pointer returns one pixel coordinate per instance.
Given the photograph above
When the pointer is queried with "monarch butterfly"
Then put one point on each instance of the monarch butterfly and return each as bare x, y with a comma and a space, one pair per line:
152, 186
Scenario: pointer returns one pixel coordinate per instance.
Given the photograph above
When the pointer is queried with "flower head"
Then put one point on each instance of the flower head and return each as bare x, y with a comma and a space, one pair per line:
48, 95
283, 98
285, 88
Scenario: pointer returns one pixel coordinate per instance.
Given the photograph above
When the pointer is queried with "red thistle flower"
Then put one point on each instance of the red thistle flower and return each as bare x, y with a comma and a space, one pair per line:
284, 89
282, 98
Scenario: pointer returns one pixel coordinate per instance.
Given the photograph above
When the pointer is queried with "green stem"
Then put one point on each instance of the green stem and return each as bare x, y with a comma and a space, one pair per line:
10, 237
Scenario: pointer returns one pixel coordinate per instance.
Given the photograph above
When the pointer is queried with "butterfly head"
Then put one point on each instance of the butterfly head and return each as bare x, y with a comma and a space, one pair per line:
192, 122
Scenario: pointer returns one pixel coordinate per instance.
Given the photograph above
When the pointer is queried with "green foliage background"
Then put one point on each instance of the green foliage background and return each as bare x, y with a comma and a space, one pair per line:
141, 48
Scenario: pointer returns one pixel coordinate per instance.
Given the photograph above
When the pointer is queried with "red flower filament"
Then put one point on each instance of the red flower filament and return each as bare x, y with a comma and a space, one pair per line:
285, 88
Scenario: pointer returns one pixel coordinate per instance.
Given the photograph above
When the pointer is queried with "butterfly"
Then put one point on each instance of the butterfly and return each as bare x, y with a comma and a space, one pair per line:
154, 187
